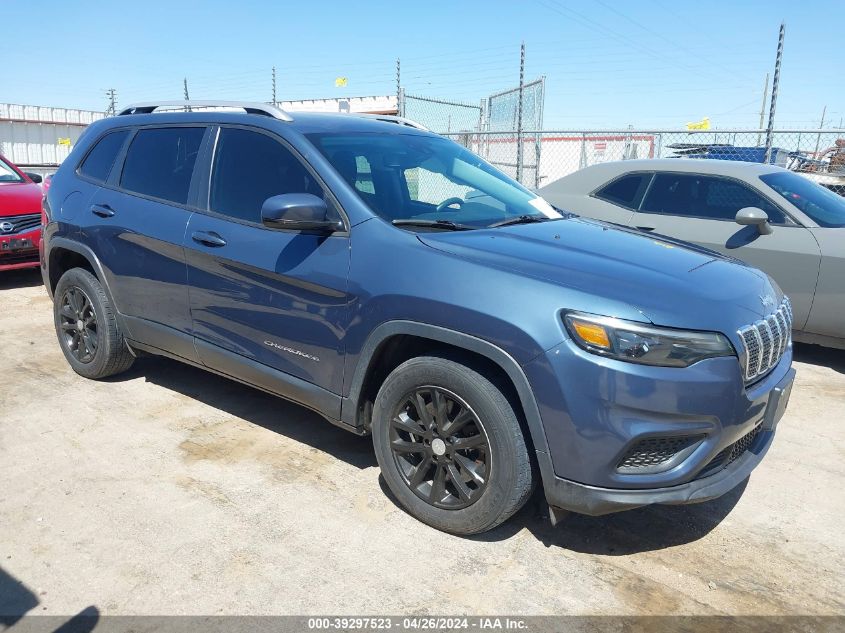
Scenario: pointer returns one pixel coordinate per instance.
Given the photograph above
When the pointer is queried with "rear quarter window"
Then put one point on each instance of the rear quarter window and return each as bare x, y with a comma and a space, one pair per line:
626, 191
100, 160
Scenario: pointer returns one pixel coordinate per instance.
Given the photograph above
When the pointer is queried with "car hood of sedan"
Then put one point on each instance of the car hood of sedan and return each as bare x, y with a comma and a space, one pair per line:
669, 282
18, 198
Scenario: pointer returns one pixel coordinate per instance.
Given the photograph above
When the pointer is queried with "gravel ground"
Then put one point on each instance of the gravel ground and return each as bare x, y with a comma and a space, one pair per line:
172, 491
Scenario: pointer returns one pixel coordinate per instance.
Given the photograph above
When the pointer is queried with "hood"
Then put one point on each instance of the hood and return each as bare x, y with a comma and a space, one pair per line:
669, 282
18, 198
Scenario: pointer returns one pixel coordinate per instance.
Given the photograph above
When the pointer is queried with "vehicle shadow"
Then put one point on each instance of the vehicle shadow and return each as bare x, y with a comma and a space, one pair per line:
24, 278
632, 531
16, 600
268, 411
820, 356
623, 533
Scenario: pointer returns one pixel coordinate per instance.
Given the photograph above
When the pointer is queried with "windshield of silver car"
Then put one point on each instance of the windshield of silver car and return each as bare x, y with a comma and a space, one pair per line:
824, 207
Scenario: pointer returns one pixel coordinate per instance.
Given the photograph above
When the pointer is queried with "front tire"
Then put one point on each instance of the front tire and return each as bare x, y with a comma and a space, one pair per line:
88, 332
450, 446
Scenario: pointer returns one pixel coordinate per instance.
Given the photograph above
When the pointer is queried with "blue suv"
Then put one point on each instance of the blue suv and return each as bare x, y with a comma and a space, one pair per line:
399, 286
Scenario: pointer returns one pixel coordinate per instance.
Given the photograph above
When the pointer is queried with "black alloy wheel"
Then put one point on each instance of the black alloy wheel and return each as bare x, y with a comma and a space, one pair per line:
440, 447
78, 322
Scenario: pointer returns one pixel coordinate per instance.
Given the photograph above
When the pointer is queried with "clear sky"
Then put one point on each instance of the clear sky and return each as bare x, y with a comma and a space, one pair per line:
608, 63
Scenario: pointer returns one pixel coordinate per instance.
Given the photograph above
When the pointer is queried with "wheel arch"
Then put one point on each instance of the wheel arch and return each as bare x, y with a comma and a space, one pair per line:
396, 341
65, 254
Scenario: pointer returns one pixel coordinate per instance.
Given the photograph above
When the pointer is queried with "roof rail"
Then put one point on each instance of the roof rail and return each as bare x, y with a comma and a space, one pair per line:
250, 107
390, 118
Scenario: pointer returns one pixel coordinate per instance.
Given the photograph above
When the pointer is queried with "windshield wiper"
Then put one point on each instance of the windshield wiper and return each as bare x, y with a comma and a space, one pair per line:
447, 225
521, 219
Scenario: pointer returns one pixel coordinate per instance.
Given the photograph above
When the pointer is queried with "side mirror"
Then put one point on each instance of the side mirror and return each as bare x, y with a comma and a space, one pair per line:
752, 216
36, 178
298, 212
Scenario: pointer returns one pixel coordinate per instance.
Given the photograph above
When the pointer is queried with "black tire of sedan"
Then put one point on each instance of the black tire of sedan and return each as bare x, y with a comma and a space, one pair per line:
87, 329
450, 446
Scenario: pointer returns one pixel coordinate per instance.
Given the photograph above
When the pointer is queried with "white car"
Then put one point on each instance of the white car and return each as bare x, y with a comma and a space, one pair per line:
770, 217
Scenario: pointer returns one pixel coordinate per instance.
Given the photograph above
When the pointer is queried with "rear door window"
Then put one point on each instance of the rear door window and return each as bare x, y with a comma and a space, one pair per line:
160, 162
100, 160
626, 191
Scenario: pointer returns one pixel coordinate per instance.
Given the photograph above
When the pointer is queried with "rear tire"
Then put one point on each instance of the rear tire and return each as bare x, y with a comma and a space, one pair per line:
450, 446
87, 329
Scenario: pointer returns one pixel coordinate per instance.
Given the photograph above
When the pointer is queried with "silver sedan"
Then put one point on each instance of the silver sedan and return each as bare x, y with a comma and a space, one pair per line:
770, 217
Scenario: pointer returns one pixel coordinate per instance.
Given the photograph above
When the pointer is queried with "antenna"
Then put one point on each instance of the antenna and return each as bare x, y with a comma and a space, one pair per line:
274, 85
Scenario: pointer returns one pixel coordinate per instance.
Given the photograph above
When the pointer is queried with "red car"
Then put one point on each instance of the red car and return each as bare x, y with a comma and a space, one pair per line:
20, 217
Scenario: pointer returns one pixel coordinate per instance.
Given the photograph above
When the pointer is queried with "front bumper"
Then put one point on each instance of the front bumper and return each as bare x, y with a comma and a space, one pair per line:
20, 250
594, 501
594, 410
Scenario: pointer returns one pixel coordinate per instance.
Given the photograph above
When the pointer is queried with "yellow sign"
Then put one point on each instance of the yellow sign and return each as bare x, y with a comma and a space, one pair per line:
64, 141
340, 82
704, 124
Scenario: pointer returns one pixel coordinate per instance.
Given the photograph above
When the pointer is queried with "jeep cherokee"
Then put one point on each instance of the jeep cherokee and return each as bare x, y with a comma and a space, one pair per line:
395, 283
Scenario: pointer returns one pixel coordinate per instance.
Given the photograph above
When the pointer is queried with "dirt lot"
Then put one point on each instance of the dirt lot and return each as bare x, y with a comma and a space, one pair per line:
169, 490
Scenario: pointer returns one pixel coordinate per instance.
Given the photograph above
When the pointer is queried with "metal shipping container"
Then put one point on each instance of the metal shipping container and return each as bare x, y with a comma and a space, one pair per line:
40, 138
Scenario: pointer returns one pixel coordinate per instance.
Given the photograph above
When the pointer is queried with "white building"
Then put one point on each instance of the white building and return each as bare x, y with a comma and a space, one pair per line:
39, 138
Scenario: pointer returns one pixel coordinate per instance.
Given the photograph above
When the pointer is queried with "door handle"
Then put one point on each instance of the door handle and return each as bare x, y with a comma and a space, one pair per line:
208, 238
103, 210
645, 228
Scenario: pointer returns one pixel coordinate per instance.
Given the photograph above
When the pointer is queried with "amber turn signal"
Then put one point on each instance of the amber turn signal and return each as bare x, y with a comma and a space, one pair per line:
591, 333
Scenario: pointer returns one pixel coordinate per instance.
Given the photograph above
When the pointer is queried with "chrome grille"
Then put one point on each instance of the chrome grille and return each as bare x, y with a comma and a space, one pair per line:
765, 341
19, 223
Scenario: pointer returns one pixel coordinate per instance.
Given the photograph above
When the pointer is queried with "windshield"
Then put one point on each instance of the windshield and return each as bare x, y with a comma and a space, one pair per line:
7, 174
409, 178
823, 206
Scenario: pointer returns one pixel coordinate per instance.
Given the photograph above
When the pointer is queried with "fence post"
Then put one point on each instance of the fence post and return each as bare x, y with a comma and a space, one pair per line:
582, 160
775, 82
519, 114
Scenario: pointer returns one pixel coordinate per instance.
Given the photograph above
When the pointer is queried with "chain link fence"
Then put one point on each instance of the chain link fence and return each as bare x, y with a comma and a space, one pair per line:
548, 155
440, 115
517, 109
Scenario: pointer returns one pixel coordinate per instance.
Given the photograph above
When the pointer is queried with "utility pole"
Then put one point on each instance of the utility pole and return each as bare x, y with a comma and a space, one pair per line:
519, 113
775, 82
274, 85
763, 108
111, 93
399, 88
187, 98
819, 136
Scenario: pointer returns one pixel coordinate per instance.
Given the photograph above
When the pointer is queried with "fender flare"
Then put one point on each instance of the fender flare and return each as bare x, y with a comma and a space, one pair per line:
496, 354
88, 254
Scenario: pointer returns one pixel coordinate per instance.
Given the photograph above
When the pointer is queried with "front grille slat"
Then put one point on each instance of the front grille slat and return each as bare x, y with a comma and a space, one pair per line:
765, 341
19, 223
777, 349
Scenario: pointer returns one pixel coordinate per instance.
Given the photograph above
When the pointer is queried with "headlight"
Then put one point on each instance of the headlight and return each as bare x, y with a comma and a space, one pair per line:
645, 344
